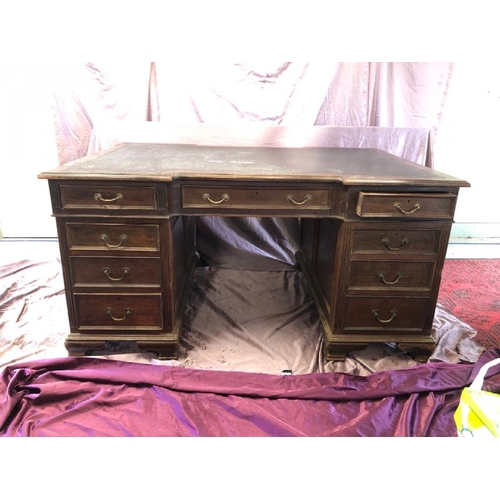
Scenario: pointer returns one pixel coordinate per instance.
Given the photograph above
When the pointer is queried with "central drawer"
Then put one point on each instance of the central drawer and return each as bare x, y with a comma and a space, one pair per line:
118, 311
115, 272
121, 237
227, 197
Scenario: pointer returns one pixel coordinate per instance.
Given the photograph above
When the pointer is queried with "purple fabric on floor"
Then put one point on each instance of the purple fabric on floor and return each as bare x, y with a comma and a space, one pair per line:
101, 397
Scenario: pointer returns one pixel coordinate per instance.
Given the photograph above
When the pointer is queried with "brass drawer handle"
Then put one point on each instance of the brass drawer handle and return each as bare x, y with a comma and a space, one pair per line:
398, 206
206, 196
381, 277
289, 197
104, 239
107, 273
404, 242
110, 313
98, 197
394, 313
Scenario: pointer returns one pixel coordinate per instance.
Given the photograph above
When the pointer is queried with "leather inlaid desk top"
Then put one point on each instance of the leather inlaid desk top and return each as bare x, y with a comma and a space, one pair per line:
162, 162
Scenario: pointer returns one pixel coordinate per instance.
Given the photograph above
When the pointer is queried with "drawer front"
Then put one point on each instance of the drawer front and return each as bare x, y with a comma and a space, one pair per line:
118, 311
115, 272
113, 237
396, 242
406, 205
385, 314
388, 275
259, 198
98, 197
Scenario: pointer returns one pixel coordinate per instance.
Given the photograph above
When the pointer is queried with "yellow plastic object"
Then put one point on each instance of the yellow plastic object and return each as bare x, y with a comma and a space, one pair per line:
478, 413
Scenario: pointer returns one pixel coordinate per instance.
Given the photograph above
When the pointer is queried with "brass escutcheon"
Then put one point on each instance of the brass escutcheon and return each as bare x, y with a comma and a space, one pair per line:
206, 196
289, 197
394, 313
398, 206
107, 273
98, 197
404, 242
110, 313
104, 239
381, 277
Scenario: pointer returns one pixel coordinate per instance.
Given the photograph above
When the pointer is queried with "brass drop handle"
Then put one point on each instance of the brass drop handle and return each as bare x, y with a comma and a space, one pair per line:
107, 273
404, 242
381, 277
110, 313
289, 197
398, 206
98, 197
206, 196
104, 239
394, 313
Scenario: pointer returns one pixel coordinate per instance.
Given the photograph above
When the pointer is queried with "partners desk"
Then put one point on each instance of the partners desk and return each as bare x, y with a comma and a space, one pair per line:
374, 234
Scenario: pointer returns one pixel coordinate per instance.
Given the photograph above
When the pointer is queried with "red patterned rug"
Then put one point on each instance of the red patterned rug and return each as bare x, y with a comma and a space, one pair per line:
470, 289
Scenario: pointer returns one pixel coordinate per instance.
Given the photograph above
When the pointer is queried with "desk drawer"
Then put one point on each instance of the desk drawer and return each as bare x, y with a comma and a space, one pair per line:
118, 311
406, 205
386, 314
113, 237
388, 275
115, 272
115, 197
396, 242
258, 198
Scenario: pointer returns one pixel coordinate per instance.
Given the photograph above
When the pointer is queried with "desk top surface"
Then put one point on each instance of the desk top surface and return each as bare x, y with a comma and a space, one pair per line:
166, 162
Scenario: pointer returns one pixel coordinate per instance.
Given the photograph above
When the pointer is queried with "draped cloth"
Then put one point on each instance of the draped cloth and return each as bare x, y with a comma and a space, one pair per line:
99, 397
91, 99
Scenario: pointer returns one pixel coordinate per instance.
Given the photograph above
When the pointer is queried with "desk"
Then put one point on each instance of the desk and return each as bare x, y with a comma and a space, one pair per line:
374, 233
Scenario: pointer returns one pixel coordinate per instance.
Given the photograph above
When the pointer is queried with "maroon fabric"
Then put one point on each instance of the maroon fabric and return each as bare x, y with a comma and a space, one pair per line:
101, 397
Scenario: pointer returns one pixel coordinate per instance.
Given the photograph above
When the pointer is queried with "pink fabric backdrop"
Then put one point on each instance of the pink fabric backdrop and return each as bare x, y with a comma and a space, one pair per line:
90, 99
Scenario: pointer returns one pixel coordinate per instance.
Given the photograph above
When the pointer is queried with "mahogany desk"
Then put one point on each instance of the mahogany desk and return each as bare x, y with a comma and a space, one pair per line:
374, 233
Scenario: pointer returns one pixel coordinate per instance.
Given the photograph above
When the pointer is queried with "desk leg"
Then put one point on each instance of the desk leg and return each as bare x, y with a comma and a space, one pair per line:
339, 351
419, 352
78, 347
